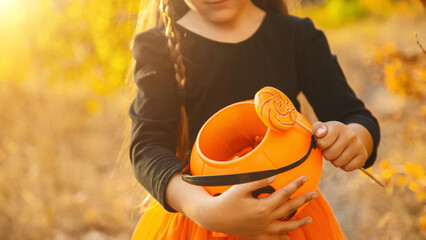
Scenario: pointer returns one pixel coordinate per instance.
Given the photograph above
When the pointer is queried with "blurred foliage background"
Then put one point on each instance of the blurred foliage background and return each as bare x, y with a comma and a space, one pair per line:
64, 95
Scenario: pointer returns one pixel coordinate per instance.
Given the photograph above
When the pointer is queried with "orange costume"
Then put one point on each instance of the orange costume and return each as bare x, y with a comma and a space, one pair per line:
159, 224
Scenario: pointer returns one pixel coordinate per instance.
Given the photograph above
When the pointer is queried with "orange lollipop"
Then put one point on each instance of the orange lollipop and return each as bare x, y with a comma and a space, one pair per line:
276, 110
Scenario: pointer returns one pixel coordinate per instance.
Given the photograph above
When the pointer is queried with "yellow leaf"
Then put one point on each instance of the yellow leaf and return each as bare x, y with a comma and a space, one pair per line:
401, 181
421, 196
99, 86
384, 164
415, 170
387, 174
92, 106
413, 186
423, 223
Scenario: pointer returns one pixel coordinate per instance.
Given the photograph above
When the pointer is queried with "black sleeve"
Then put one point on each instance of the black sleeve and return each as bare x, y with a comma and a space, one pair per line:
155, 116
325, 86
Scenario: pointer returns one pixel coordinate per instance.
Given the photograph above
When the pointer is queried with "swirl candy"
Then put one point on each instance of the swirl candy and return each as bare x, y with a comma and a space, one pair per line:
276, 110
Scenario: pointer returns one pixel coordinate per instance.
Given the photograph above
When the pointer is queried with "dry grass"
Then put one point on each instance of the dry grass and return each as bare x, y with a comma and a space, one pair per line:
62, 173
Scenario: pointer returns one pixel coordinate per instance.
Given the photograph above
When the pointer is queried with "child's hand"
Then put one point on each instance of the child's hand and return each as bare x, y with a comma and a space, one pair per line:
237, 213
343, 145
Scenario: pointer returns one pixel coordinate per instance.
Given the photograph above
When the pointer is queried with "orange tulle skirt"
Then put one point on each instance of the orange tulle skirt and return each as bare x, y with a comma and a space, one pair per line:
158, 224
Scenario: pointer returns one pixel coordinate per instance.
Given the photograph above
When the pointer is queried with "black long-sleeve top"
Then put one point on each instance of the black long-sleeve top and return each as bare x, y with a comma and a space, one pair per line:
285, 52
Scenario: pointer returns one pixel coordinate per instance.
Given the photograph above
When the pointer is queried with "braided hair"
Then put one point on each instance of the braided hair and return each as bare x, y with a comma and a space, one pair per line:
170, 11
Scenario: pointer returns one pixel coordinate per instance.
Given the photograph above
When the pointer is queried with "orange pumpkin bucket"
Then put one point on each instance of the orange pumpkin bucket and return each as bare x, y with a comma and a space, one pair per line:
234, 146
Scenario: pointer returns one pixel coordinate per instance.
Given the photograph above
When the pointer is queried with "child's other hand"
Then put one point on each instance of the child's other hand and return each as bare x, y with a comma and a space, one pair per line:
341, 144
237, 213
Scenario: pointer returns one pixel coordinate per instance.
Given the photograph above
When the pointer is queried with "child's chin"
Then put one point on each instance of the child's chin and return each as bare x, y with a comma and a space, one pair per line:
222, 15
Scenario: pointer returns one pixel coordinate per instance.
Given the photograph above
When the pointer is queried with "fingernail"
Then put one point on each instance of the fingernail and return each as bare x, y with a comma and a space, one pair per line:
305, 179
314, 195
309, 220
271, 179
320, 131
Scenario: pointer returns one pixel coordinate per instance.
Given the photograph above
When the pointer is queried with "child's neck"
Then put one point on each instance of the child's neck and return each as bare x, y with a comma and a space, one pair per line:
237, 29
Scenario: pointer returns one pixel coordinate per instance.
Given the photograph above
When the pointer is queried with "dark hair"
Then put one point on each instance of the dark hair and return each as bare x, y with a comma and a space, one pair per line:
170, 12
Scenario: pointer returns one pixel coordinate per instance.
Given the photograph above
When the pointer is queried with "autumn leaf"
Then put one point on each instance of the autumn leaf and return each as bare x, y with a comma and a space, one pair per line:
415, 170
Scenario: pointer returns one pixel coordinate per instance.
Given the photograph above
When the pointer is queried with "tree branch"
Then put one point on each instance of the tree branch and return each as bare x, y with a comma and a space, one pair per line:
420, 45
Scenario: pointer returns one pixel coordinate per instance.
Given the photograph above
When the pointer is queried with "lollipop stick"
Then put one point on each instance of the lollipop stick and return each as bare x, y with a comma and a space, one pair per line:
371, 176
362, 169
304, 126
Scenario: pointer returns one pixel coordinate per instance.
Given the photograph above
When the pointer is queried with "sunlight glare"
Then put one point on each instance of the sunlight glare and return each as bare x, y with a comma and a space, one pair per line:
12, 13
8, 7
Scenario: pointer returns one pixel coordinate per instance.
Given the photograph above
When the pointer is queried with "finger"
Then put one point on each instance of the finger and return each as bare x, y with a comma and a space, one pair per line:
330, 138
288, 226
247, 188
356, 163
320, 129
336, 149
344, 158
277, 198
350, 154
293, 204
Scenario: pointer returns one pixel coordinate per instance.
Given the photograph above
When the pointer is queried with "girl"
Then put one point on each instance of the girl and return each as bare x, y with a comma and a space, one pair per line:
206, 55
